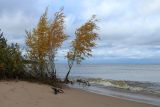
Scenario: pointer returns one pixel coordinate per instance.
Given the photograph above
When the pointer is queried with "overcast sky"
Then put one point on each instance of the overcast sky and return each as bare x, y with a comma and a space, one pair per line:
129, 29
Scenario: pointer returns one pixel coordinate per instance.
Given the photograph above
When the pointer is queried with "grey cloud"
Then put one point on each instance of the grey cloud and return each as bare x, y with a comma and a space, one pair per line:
27, 6
16, 16
128, 28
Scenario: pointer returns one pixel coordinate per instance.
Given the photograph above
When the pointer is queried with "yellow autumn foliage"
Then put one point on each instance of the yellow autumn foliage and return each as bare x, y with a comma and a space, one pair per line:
83, 43
45, 39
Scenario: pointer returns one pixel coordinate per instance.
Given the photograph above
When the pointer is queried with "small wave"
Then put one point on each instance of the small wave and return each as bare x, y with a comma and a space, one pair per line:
115, 83
134, 90
132, 86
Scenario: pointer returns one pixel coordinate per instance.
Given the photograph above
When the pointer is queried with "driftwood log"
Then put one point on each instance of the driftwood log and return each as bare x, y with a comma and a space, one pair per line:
84, 82
57, 90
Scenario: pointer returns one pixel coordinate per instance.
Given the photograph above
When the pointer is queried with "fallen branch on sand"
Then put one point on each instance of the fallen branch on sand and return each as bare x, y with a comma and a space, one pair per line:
57, 90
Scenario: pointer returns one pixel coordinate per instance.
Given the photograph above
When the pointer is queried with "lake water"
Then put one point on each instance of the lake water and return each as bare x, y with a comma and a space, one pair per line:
146, 73
135, 82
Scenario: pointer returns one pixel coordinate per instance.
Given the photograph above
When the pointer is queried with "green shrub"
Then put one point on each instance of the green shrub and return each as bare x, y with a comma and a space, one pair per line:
11, 59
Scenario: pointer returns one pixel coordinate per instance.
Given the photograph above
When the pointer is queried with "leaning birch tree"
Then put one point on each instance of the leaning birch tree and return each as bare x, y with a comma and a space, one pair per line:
82, 45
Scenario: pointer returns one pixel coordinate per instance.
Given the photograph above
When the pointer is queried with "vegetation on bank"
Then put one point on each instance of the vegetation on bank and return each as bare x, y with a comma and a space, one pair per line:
11, 66
42, 43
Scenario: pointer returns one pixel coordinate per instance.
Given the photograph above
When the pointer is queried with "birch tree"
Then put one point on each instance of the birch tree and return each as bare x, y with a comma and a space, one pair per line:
37, 40
44, 41
81, 48
56, 37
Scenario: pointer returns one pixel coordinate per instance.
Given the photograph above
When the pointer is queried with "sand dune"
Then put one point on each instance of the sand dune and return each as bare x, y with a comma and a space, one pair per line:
25, 94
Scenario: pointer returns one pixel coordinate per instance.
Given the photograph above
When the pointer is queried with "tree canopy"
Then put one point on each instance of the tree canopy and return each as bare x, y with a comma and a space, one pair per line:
81, 46
44, 41
11, 60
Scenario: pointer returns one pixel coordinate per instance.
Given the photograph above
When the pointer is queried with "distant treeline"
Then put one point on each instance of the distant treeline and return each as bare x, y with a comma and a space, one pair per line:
43, 43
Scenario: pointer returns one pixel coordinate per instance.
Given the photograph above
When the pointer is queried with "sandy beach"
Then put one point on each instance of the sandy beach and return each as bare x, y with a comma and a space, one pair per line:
25, 94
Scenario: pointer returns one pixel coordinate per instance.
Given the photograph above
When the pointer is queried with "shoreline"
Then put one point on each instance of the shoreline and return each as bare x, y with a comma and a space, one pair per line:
118, 99
131, 96
21, 93
122, 93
